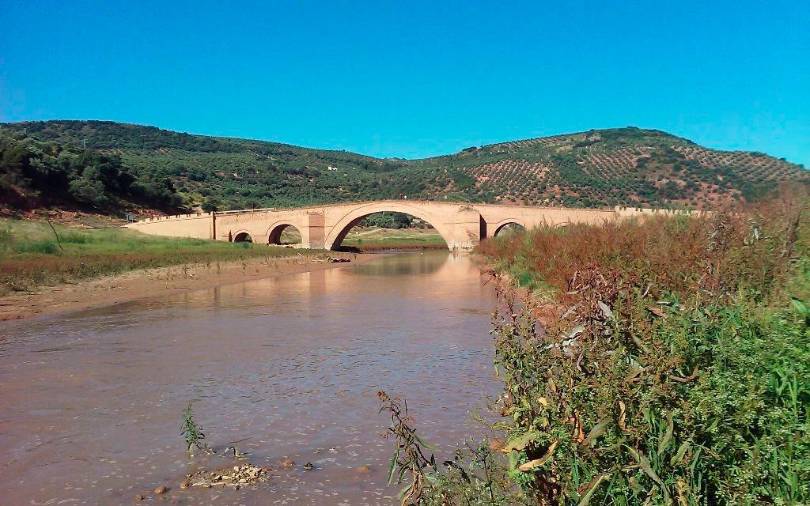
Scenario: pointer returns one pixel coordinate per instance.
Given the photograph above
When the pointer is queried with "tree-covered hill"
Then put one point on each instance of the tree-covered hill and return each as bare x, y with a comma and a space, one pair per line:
625, 166
40, 174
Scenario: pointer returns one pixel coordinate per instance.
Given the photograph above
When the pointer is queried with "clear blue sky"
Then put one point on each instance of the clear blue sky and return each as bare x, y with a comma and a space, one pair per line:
413, 79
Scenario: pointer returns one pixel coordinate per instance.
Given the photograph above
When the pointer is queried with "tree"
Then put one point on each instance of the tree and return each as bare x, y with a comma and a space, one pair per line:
89, 190
211, 204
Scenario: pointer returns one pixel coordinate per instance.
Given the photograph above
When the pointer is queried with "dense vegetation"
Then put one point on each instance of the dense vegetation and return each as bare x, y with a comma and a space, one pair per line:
627, 166
664, 361
33, 253
45, 174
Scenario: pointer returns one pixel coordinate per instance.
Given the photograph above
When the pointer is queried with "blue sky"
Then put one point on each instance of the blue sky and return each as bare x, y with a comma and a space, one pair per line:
413, 79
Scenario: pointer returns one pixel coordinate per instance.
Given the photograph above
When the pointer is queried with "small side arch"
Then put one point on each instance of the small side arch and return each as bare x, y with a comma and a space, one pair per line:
506, 225
242, 236
274, 233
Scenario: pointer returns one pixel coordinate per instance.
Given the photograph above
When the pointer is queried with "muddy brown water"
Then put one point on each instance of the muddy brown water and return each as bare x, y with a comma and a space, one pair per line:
91, 403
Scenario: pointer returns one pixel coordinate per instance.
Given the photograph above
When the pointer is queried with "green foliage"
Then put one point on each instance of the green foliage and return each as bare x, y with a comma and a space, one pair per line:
669, 364
88, 189
409, 463
471, 477
388, 220
393, 239
624, 166
35, 173
43, 247
192, 433
211, 204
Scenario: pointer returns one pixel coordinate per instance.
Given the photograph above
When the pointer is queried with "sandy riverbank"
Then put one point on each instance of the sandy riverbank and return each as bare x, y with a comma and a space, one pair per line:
133, 285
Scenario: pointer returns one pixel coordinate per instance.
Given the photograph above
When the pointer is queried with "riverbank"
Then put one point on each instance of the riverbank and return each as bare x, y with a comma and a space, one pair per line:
659, 361
49, 268
38, 253
161, 281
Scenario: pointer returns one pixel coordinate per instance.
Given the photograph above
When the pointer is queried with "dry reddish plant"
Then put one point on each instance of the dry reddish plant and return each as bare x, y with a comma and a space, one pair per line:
682, 255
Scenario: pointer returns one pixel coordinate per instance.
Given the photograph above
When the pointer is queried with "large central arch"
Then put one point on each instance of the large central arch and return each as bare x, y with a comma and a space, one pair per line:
338, 231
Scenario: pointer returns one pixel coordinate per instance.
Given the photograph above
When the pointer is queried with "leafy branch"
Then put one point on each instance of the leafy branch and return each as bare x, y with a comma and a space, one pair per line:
409, 462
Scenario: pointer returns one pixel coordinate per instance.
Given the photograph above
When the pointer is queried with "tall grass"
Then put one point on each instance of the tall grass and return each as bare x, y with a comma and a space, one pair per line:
377, 239
656, 362
32, 253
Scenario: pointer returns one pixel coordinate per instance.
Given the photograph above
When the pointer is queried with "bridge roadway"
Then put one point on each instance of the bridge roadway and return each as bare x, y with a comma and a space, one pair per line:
462, 225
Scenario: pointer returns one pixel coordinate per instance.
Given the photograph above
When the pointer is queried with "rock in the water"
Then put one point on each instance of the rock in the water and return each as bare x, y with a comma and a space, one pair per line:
235, 476
364, 469
161, 490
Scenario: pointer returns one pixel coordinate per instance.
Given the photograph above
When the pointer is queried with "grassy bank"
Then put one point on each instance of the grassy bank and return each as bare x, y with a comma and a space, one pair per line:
376, 239
33, 254
657, 362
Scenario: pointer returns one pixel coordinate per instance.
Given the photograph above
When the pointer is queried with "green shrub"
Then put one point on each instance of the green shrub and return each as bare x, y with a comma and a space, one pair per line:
45, 247
669, 364
75, 238
191, 431
6, 238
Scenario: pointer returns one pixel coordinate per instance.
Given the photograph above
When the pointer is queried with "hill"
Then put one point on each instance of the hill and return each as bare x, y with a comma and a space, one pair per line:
166, 170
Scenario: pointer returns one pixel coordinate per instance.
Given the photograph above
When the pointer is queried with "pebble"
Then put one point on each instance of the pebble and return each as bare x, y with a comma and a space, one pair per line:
161, 490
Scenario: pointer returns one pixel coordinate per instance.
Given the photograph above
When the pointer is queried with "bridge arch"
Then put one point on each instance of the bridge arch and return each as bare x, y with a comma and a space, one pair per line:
336, 233
275, 230
242, 236
506, 224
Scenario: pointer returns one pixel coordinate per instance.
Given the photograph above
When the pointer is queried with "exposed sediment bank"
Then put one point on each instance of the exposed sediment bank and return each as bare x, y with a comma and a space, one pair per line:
139, 284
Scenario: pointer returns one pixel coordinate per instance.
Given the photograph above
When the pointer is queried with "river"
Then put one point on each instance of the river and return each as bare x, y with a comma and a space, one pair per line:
91, 403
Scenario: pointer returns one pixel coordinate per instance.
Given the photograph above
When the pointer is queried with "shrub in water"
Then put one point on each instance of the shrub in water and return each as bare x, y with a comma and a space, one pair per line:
191, 432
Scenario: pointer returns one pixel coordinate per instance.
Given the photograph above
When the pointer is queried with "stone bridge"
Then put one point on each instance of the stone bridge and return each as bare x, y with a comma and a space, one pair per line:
323, 227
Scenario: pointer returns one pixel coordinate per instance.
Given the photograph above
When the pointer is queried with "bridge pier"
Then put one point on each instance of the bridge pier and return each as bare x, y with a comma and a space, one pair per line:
316, 236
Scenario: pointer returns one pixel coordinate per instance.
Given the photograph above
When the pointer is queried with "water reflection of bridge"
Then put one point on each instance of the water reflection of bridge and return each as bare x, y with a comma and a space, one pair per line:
461, 225
443, 269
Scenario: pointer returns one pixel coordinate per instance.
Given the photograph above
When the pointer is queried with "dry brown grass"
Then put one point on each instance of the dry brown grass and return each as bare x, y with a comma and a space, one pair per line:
678, 255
